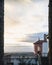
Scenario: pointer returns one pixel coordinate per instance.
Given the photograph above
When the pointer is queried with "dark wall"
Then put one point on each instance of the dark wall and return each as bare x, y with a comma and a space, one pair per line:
45, 61
1, 30
50, 32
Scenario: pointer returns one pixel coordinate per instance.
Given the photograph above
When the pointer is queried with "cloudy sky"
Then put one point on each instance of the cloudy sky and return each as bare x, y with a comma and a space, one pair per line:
23, 18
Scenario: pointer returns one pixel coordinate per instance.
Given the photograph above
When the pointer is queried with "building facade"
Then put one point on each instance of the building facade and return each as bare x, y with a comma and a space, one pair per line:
42, 46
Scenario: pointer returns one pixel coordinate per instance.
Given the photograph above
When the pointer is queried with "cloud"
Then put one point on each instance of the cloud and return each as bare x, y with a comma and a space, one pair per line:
45, 26
19, 47
31, 38
27, 0
39, 0
10, 21
21, 19
16, 49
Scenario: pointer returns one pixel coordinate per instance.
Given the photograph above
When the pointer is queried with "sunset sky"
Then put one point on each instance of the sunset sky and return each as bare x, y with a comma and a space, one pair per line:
23, 18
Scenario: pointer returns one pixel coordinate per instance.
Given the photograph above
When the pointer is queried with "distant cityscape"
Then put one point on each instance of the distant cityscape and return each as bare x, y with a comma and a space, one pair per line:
28, 58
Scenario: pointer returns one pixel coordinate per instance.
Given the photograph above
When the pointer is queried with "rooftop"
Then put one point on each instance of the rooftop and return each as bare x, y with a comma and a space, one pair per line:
39, 41
20, 54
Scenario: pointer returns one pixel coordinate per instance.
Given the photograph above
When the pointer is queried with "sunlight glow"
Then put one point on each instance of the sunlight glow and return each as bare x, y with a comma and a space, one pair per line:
24, 17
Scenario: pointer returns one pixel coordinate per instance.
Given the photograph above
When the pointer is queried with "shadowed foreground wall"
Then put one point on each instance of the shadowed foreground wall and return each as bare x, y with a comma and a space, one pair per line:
50, 32
45, 61
1, 30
